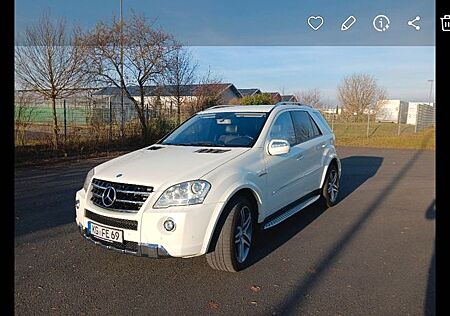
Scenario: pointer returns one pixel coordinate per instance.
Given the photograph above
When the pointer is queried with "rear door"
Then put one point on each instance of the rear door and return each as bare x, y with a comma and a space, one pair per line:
311, 144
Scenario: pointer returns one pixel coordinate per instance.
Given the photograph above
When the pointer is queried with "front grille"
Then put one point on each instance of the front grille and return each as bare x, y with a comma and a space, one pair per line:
113, 222
128, 197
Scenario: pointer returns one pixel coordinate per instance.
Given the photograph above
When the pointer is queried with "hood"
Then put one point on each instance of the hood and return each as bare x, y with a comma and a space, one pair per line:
166, 165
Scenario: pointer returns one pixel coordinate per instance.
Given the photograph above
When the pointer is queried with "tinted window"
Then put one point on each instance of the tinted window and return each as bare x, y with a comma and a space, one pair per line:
283, 128
316, 130
305, 129
320, 117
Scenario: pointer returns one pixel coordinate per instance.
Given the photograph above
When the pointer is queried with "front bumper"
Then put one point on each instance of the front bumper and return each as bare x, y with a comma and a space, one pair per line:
144, 233
144, 250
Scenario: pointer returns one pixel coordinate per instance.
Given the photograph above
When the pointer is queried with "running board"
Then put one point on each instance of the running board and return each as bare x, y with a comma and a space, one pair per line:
289, 212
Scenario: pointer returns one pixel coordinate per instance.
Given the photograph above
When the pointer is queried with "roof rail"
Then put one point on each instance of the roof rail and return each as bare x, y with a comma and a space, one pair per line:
292, 103
219, 106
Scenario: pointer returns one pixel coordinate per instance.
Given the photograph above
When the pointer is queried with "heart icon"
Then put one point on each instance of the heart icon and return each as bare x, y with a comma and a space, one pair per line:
315, 22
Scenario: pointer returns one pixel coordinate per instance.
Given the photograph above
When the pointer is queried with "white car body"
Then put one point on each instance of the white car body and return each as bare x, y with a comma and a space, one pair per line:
274, 182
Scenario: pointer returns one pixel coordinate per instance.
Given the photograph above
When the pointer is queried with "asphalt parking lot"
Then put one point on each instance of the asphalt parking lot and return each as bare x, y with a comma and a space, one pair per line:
371, 254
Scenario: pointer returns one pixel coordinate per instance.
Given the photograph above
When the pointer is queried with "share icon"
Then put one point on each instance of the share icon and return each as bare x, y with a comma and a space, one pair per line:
411, 23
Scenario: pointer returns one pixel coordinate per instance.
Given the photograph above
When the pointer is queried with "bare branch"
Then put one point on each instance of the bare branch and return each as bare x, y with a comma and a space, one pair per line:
312, 97
358, 94
146, 53
49, 63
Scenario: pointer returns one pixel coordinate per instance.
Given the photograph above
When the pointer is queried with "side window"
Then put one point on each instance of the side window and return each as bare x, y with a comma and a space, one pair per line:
316, 130
305, 129
320, 117
283, 128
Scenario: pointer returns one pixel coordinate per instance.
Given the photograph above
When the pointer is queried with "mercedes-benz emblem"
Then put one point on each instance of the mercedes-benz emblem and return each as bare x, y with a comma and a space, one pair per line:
109, 196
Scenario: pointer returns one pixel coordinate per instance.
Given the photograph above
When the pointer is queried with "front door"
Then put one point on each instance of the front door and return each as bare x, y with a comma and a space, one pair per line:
283, 171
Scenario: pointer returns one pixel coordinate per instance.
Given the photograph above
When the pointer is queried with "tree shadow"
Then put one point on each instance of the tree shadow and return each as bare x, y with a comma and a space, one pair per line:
430, 298
355, 171
290, 303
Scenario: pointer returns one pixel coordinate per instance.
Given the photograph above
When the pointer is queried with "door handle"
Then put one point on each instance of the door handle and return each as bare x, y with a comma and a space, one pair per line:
299, 157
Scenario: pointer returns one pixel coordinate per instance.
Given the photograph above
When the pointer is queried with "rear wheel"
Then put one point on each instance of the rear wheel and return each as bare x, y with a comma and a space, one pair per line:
234, 244
330, 189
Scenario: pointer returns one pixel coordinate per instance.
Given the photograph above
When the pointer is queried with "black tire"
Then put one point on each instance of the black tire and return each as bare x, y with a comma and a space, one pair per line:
225, 255
327, 198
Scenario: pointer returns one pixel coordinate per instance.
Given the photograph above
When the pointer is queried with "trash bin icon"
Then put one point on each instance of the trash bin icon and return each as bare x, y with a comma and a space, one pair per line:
446, 23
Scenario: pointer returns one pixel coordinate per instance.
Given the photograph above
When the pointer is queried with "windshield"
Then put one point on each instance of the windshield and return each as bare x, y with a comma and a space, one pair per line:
227, 129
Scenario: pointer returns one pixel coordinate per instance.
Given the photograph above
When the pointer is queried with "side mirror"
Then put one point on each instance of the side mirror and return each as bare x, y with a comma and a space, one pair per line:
278, 147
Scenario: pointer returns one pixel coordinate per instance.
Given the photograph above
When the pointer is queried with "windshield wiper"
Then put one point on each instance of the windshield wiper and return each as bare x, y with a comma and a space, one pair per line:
175, 144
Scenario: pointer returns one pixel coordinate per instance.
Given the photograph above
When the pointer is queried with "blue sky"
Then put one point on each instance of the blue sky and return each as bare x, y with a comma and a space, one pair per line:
237, 38
402, 71
253, 22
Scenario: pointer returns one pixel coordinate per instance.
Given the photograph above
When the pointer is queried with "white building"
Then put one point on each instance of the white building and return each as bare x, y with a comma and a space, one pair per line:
421, 114
392, 111
332, 110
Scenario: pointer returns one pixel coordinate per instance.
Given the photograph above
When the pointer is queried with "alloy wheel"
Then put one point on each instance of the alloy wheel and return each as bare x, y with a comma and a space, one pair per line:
333, 185
243, 234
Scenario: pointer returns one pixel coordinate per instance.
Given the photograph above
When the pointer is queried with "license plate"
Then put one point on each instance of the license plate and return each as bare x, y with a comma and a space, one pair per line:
105, 233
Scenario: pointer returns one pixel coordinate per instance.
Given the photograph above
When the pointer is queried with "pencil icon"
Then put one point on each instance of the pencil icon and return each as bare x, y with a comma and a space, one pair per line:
348, 23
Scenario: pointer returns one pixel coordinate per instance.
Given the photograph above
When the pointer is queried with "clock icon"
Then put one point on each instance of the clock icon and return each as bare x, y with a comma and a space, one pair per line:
381, 23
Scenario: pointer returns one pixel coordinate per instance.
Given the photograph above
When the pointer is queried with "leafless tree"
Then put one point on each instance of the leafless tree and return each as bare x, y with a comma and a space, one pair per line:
24, 113
208, 92
49, 62
312, 97
179, 77
358, 94
146, 53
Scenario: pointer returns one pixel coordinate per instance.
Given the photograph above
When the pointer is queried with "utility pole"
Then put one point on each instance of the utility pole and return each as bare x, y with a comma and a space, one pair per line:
368, 121
122, 122
110, 118
431, 90
332, 121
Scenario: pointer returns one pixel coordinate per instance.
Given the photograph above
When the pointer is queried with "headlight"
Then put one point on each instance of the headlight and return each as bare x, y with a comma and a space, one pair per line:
89, 177
186, 193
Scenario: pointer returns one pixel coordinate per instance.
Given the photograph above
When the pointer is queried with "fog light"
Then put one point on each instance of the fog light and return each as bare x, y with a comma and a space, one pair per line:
169, 225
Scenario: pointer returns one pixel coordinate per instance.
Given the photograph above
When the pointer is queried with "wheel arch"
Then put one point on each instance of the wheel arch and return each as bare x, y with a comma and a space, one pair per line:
333, 160
219, 219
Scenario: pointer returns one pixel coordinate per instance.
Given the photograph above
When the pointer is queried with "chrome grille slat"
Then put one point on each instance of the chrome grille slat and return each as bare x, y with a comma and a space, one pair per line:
129, 197
133, 202
133, 192
122, 191
98, 186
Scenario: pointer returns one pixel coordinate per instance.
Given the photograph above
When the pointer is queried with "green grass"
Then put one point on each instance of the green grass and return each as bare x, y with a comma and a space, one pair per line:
384, 135
352, 130
45, 115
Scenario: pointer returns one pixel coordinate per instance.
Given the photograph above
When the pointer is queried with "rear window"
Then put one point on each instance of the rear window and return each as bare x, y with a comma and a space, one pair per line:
321, 119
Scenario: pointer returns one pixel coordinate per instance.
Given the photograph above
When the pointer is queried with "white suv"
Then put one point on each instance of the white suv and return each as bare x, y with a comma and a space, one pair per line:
211, 183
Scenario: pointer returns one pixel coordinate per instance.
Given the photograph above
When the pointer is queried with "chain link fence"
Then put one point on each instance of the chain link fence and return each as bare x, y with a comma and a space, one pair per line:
367, 126
88, 120
100, 120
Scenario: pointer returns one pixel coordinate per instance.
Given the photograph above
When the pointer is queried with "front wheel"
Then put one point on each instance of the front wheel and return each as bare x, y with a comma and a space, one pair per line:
234, 244
330, 187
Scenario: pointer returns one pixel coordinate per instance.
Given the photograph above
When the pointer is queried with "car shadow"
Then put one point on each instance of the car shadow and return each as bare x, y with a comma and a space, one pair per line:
290, 303
430, 298
355, 171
